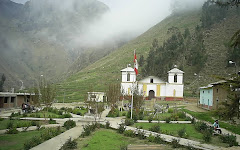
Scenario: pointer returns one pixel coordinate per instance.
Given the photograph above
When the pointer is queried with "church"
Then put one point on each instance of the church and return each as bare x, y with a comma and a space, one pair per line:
154, 87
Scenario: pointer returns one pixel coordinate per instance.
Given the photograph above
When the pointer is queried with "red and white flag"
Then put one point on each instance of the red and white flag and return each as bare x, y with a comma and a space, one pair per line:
135, 63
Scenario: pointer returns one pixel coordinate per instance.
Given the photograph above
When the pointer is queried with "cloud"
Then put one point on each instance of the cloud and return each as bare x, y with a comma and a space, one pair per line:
127, 18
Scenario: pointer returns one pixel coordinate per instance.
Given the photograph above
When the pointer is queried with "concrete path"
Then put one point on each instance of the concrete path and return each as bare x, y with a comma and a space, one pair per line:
154, 121
167, 138
57, 142
224, 131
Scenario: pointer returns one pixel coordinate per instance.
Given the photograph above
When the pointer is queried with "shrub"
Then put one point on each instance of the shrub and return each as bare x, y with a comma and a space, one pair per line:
141, 135
175, 143
36, 140
113, 113
129, 133
181, 115
200, 126
170, 110
135, 117
38, 115
174, 117
1, 119
150, 118
60, 112
70, 144
168, 119
107, 124
123, 146
124, 114
9, 124
24, 115
48, 133
70, 110
193, 120
12, 131
182, 132
207, 136
155, 128
67, 115
158, 140
51, 121
121, 128
69, 124
151, 138
188, 119
229, 139
86, 130
129, 122
141, 115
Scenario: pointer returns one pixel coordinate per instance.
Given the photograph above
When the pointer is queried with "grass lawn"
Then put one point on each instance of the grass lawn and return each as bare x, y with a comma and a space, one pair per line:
173, 129
162, 116
207, 116
16, 141
106, 139
17, 123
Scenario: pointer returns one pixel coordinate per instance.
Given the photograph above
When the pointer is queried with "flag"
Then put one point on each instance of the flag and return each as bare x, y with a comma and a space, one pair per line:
135, 63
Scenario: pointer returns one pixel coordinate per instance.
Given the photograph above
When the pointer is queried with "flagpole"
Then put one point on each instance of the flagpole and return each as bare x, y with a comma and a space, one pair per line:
133, 86
132, 101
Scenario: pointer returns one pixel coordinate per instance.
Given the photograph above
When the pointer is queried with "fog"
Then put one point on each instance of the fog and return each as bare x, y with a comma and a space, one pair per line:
126, 19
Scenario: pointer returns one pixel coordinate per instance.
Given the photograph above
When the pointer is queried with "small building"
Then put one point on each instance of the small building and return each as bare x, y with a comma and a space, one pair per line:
154, 87
212, 95
14, 100
97, 96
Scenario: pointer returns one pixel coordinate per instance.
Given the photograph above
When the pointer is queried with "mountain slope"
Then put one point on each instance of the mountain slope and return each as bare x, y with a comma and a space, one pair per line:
107, 70
39, 38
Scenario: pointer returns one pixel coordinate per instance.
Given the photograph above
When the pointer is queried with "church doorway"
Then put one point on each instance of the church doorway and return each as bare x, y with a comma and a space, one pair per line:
151, 94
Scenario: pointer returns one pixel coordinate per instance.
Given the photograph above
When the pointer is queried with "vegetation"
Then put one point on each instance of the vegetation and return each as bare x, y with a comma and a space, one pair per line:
207, 116
2, 82
70, 144
173, 129
69, 124
109, 140
45, 134
16, 141
7, 124
113, 94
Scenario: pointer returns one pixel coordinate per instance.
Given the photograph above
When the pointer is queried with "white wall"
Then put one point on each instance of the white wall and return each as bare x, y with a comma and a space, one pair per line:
170, 88
132, 76
179, 78
124, 88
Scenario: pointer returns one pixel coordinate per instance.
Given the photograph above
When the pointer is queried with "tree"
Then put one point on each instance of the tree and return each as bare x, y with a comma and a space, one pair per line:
47, 93
113, 94
137, 99
35, 96
141, 61
235, 40
2, 83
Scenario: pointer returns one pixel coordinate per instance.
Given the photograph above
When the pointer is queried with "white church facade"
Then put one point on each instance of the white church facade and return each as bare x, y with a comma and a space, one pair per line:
154, 87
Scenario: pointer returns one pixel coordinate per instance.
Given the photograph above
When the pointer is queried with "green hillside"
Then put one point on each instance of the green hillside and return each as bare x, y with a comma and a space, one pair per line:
107, 70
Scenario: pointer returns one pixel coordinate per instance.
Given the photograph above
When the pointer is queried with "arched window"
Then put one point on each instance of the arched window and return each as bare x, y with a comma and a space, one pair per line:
175, 78
151, 80
128, 77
